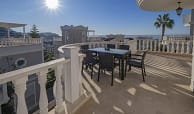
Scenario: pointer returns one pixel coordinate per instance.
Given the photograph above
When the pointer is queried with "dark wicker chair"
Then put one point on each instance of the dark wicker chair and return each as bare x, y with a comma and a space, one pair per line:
137, 60
111, 46
84, 48
89, 61
124, 47
106, 62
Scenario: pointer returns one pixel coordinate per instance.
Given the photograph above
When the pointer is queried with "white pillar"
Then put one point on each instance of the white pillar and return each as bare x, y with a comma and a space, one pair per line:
155, 45
192, 34
159, 45
188, 44
139, 45
177, 47
20, 88
43, 102
151, 45
147, 45
60, 107
143, 46
182, 48
168, 47
72, 79
172, 48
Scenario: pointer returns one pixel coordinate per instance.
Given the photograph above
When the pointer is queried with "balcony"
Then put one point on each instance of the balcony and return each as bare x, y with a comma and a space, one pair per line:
166, 90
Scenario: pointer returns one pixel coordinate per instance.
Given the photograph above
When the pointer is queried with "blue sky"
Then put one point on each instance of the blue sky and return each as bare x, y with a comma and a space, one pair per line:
103, 16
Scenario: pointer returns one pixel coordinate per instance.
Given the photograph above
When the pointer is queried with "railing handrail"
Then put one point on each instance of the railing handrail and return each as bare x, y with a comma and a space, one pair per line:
12, 75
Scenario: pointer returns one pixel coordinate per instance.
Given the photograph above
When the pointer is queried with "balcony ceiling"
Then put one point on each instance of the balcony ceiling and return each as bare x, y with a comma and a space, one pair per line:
164, 5
11, 25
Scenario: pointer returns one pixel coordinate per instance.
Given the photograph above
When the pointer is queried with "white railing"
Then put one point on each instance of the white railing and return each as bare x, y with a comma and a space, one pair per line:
166, 46
8, 42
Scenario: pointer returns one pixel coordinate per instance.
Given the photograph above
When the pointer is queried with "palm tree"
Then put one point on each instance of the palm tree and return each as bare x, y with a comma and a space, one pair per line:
164, 22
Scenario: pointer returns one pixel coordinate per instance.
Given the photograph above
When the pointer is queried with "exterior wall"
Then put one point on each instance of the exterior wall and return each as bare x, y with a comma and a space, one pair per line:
71, 34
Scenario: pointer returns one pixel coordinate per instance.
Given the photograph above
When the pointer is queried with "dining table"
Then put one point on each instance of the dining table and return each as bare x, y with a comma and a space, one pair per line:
118, 53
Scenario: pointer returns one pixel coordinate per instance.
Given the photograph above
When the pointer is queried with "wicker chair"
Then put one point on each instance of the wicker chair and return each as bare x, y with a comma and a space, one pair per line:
137, 60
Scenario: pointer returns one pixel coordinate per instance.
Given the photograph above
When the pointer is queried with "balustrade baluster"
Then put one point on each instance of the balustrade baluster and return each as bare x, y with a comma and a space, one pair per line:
182, 48
143, 47
177, 47
59, 109
155, 45
151, 45
139, 45
43, 102
147, 45
20, 88
188, 44
172, 47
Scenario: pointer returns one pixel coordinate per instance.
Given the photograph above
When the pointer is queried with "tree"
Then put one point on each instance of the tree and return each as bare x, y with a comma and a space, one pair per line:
164, 22
34, 32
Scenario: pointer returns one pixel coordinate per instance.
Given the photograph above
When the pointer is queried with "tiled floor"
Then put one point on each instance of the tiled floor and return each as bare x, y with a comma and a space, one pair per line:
166, 90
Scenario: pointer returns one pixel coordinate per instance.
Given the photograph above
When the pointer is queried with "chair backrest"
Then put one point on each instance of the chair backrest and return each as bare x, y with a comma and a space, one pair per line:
89, 57
143, 56
84, 48
106, 61
111, 46
124, 47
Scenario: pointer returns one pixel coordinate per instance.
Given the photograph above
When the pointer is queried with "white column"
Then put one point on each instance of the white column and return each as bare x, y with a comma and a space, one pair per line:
147, 45
20, 88
177, 47
139, 45
159, 45
188, 44
72, 79
182, 48
43, 102
60, 108
143, 46
155, 45
163, 46
192, 34
168, 47
172, 48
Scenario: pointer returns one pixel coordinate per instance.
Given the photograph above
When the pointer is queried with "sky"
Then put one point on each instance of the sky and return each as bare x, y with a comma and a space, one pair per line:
103, 16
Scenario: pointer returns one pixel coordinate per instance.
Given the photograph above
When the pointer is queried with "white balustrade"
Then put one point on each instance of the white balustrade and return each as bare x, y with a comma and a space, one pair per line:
7, 42
139, 44
188, 45
151, 45
147, 45
168, 47
172, 47
155, 45
20, 88
177, 47
43, 101
143, 45
182, 47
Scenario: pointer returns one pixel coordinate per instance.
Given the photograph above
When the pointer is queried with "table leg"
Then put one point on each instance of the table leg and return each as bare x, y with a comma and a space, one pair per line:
122, 68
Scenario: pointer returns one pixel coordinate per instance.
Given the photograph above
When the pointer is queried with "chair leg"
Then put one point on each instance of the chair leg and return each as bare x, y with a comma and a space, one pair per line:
112, 79
98, 73
82, 67
143, 74
125, 68
119, 68
129, 68
91, 72
144, 71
